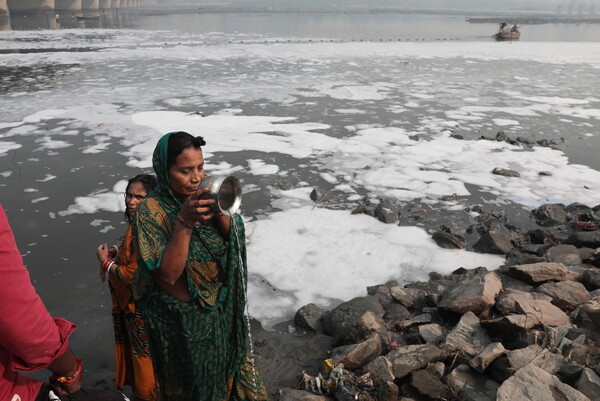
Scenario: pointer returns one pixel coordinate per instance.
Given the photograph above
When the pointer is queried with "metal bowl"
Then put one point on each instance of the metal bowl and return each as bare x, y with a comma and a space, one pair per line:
226, 191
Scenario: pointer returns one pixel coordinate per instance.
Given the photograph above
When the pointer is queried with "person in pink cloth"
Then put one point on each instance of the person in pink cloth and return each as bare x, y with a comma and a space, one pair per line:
31, 339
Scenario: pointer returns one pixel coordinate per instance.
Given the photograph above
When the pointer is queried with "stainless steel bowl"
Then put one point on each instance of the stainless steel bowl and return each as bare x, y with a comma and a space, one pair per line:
226, 191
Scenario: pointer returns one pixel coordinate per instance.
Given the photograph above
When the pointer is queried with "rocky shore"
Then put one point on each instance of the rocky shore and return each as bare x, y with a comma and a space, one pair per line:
529, 330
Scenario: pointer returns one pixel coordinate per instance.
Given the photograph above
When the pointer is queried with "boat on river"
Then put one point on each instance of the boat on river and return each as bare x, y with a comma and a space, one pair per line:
502, 35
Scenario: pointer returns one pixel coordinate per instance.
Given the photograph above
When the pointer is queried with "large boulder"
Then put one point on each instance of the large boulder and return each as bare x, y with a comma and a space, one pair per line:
565, 254
565, 293
550, 215
496, 239
476, 294
506, 301
589, 239
308, 317
340, 321
538, 273
544, 312
531, 383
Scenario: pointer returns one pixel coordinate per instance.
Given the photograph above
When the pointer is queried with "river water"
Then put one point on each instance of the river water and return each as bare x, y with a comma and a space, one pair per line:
360, 105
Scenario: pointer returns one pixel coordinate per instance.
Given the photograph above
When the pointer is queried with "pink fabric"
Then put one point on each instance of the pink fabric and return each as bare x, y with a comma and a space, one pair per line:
30, 339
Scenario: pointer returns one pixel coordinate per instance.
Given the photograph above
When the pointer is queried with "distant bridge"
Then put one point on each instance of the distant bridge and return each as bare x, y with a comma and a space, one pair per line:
23, 6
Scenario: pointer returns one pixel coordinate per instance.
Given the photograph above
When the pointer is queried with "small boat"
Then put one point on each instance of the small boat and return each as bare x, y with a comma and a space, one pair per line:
87, 18
508, 35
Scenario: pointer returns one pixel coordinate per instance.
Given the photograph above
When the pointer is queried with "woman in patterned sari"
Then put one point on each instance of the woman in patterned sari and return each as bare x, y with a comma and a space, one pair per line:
191, 283
132, 353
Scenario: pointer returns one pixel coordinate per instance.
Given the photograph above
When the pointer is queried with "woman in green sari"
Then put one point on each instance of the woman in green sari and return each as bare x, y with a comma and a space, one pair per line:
191, 283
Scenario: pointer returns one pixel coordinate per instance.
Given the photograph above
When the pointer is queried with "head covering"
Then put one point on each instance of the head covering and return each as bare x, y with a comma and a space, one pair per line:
161, 169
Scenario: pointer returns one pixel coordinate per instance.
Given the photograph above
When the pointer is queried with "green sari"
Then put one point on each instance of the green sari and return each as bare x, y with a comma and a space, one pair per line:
198, 347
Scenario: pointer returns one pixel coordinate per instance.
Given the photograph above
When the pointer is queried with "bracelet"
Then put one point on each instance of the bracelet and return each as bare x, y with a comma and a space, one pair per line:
186, 223
106, 263
111, 264
116, 248
70, 379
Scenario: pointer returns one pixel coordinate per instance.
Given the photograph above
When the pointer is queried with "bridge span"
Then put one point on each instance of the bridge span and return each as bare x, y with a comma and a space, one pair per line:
26, 6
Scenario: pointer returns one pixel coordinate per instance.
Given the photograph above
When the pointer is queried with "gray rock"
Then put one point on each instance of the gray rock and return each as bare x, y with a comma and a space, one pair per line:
395, 311
565, 293
468, 336
591, 278
565, 254
482, 360
589, 239
589, 384
428, 384
387, 211
590, 312
432, 333
534, 384
367, 325
541, 272
509, 325
409, 297
388, 391
356, 355
505, 172
414, 357
380, 369
308, 317
544, 312
468, 385
339, 321
550, 215
583, 354
496, 240
506, 301
423, 318
476, 294
290, 394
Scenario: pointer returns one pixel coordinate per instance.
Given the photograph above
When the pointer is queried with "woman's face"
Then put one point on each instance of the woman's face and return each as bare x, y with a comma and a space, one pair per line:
187, 171
133, 195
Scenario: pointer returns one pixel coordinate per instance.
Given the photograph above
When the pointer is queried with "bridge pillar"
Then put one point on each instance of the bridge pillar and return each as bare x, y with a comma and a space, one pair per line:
3, 7
22, 6
104, 4
90, 4
67, 5
116, 4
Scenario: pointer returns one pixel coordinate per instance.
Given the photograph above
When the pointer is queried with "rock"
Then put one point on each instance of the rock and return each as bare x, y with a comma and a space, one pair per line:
409, 297
432, 333
544, 312
550, 215
356, 355
395, 311
382, 292
565, 293
367, 325
591, 278
482, 360
387, 212
589, 384
380, 369
428, 384
289, 394
519, 358
423, 318
339, 321
414, 357
582, 354
565, 254
471, 386
476, 294
505, 172
468, 336
308, 317
589, 239
541, 272
590, 312
317, 194
497, 240
509, 325
448, 240
534, 384
388, 391
506, 301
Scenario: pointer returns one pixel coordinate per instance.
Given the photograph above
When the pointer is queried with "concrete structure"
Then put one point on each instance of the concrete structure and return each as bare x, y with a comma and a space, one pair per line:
23, 6
3, 7
90, 4
67, 5
104, 4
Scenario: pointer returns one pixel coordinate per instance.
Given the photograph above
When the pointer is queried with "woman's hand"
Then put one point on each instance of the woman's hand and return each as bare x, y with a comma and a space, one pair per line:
196, 209
102, 252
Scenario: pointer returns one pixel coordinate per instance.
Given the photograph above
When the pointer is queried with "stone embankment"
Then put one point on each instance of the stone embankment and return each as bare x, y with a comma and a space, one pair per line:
529, 330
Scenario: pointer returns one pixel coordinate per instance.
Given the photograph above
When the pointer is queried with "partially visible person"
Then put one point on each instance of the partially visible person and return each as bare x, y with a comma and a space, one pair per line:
31, 339
191, 283
132, 353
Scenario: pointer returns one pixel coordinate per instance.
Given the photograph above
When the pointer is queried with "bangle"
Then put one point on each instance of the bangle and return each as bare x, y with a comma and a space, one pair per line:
106, 263
111, 264
220, 214
186, 223
116, 248
70, 379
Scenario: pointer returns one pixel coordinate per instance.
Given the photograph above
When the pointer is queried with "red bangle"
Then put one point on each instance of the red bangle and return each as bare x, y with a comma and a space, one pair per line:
73, 377
106, 264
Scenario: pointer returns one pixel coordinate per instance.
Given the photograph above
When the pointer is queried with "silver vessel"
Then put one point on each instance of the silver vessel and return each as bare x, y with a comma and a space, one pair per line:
226, 191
